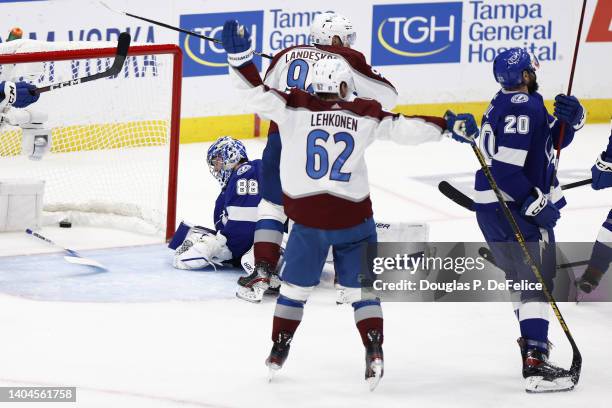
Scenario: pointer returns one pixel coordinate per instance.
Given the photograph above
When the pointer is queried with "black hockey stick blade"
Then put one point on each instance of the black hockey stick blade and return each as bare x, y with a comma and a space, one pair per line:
123, 45
457, 196
577, 184
466, 202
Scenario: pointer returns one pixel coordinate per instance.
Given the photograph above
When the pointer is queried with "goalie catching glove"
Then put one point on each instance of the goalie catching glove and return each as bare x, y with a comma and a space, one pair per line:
200, 250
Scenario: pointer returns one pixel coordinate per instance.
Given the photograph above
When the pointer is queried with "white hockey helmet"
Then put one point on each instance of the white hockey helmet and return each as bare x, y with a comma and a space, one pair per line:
327, 25
329, 74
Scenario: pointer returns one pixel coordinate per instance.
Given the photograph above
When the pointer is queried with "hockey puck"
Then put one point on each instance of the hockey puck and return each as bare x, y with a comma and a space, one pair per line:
65, 224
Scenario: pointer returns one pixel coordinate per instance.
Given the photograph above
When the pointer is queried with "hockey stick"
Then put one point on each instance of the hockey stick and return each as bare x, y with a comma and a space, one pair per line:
576, 365
466, 202
488, 255
73, 257
180, 30
122, 49
569, 92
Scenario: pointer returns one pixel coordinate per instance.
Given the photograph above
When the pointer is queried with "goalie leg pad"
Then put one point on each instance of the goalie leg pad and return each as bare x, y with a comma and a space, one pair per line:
201, 250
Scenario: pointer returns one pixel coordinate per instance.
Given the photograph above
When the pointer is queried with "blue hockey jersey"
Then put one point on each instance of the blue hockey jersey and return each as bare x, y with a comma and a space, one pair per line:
235, 212
519, 138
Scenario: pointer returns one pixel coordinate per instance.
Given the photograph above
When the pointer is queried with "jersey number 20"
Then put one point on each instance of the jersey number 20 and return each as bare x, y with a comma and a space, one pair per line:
317, 153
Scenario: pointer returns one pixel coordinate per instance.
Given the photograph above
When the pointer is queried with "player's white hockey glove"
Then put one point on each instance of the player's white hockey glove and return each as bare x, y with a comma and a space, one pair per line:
544, 213
462, 127
602, 172
569, 110
201, 250
18, 95
236, 40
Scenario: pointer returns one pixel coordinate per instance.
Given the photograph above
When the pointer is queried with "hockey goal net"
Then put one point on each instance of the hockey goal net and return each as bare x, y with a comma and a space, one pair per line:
114, 156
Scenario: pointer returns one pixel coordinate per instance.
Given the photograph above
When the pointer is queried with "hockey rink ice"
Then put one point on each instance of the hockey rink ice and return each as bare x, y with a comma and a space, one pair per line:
145, 335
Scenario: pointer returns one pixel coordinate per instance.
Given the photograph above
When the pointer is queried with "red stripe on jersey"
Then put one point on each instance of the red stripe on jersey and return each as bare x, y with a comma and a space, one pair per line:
326, 211
250, 74
273, 128
355, 59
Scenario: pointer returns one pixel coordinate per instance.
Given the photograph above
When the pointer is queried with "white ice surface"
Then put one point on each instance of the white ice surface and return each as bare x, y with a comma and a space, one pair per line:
156, 337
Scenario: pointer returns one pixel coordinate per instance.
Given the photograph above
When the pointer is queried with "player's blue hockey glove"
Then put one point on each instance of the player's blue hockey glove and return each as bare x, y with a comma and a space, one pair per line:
569, 110
19, 95
602, 172
463, 127
236, 40
544, 213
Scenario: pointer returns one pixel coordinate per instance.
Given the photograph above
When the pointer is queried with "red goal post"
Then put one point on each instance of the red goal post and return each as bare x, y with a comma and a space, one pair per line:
84, 54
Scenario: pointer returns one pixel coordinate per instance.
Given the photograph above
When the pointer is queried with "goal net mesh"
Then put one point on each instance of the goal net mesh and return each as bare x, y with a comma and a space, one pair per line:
109, 161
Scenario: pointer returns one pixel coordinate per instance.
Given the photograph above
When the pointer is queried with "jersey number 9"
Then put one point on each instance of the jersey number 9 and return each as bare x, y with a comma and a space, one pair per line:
300, 67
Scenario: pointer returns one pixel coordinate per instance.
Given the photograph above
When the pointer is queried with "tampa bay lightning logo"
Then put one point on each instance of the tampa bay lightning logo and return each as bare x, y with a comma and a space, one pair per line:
519, 98
243, 169
514, 58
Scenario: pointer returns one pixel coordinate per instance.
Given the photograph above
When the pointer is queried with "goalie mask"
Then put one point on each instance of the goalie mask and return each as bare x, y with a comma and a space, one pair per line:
223, 156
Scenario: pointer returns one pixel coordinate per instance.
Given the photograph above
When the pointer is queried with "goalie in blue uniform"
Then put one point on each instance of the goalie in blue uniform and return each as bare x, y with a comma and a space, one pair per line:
235, 212
519, 138
601, 257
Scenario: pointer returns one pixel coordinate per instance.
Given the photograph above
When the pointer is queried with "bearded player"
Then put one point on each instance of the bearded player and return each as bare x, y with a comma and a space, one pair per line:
519, 138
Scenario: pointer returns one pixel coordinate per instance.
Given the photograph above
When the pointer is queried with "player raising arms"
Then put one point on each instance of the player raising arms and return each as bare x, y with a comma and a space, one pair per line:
332, 36
325, 184
601, 257
518, 137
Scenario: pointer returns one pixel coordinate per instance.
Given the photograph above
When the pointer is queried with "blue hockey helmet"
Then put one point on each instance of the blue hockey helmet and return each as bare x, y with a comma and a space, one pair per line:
509, 65
223, 156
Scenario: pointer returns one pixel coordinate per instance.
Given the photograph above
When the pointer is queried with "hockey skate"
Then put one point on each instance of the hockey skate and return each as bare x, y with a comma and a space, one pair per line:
589, 280
543, 376
279, 353
374, 359
252, 288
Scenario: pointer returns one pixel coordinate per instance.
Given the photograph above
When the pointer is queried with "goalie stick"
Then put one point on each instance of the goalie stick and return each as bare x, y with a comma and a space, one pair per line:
73, 257
466, 202
576, 365
180, 30
123, 46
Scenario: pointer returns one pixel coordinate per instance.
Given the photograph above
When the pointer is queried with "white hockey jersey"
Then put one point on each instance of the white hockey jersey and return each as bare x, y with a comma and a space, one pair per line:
292, 68
323, 170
